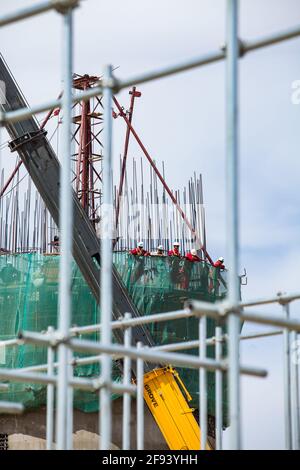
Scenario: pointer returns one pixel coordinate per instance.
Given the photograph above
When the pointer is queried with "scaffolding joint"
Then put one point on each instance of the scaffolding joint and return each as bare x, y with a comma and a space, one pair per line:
281, 298
242, 49
63, 6
226, 308
111, 83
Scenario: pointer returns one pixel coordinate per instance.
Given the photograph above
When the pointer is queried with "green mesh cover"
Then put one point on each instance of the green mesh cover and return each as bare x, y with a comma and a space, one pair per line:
29, 298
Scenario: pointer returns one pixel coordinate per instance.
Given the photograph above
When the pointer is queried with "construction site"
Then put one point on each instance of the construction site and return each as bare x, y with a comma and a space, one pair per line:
130, 296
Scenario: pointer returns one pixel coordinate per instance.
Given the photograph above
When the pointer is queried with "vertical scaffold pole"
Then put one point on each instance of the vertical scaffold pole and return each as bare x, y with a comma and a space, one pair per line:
140, 402
66, 229
219, 396
287, 382
232, 231
203, 384
70, 404
50, 397
126, 396
294, 390
106, 264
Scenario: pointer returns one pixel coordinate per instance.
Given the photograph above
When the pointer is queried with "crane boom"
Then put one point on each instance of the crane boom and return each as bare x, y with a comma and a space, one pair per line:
162, 393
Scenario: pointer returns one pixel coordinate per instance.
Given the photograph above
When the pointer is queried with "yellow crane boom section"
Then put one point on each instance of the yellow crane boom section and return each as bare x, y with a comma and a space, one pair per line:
163, 393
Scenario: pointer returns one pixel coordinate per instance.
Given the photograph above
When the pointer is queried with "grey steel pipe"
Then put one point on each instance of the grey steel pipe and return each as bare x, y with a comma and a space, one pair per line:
272, 39
50, 398
210, 58
38, 9
172, 347
147, 354
8, 407
296, 365
202, 384
294, 362
140, 401
22, 114
219, 390
117, 85
287, 382
70, 397
159, 317
106, 266
280, 298
254, 317
66, 228
232, 227
10, 342
126, 396
16, 375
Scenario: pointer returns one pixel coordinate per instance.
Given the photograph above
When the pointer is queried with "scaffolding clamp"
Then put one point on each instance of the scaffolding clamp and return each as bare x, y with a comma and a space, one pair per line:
62, 6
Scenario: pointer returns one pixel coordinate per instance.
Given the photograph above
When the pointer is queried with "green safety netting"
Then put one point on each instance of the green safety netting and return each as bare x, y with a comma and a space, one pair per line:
29, 298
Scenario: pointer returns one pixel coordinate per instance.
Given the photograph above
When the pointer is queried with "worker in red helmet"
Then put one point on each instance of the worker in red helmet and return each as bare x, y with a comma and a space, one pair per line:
219, 263
139, 250
175, 251
192, 256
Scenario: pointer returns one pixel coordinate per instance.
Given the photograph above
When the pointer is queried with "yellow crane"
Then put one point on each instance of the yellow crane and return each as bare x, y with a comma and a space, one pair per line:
167, 399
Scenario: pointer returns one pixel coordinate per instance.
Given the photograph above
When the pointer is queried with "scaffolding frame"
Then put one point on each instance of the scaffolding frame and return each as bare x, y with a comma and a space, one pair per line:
232, 310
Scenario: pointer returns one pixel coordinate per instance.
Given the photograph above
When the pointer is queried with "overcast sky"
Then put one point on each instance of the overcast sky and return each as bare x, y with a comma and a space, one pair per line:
181, 121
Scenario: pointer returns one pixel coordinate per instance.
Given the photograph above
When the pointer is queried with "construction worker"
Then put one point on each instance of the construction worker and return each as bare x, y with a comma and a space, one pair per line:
175, 251
190, 259
159, 251
139, 250
219, 263
192, 256
139, 263
55, 243
214, 275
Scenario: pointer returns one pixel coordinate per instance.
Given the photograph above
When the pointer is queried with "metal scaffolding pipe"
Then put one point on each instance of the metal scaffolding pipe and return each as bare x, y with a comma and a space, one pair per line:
117, 85
66, 229
8, 407
120, 324
106, 266
202, 383
280, 298
126, 396
147, 354
210, 58
219, 390
157, 318
38, 9
252, 317
232, 227
272, 39
22, 114
89, 385
172, 347
70, 398
287, 383
16, 375
50, 398
140, 401
294, 390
